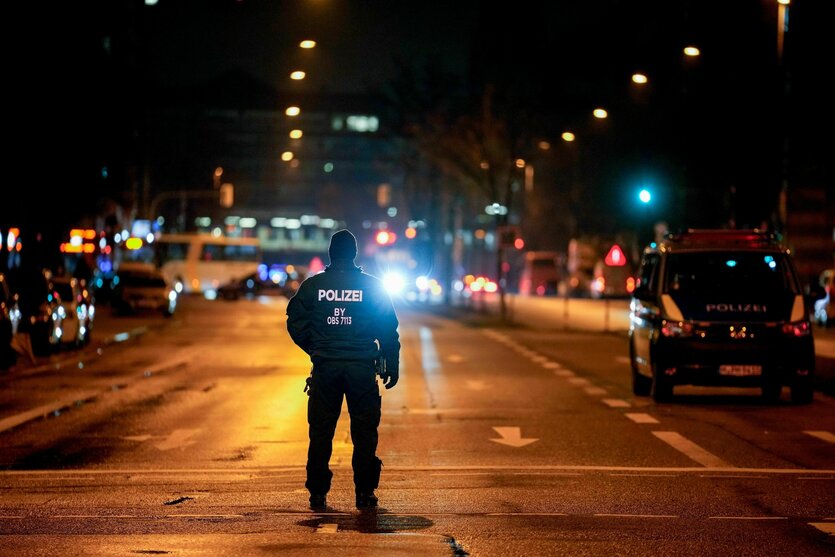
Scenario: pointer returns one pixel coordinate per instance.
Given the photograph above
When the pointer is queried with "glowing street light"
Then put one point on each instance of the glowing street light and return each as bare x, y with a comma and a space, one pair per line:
568, 136
293, 111
639, 78
287, 156
307, 43
645, 196
691, 51
296, 134
297, 75
600, 113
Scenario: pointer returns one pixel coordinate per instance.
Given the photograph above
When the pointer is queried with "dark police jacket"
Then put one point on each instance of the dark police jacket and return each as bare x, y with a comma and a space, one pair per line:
338, 314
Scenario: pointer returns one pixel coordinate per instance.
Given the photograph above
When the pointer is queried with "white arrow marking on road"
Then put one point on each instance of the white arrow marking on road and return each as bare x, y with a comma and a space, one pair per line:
179, 438
822, 435
476, 385
512, 437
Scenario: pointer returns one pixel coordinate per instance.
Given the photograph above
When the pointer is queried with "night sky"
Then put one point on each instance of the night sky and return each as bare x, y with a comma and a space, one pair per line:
79, 76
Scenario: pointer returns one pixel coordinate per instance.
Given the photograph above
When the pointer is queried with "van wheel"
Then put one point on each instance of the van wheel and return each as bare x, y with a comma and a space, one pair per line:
802, 390
661, 388
641, 385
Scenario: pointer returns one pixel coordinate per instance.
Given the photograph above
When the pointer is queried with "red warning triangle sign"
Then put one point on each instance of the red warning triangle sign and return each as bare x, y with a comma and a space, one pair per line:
615, 257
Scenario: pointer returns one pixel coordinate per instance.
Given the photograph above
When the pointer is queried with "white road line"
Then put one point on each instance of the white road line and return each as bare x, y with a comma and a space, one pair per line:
616, 403
551, 365
825, 527
731, 476
92, 516
641, 418
43, 411
204, 516
691, 449
564, 373
250, 472
595, 391
539, 359
619, 515
526, 514
646, 475
579, 381
327, 529
822, 435
429, 356
748, 517
829, 479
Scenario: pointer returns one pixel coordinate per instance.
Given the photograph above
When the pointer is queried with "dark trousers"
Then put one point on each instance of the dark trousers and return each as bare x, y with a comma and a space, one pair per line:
357, 381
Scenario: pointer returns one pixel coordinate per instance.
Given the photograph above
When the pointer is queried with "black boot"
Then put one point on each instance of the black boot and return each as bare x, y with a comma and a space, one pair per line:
318, 501
366, 500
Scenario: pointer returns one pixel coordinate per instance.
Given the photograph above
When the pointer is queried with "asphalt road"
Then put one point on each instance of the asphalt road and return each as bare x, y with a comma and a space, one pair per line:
188, 437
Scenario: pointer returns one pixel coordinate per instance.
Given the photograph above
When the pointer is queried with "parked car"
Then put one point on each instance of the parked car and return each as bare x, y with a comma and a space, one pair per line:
76, 310
825, 307
9, 321
142, 288
720, 307
38, 305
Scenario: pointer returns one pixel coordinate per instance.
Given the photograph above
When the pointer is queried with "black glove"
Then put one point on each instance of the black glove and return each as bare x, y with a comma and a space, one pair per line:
390, 377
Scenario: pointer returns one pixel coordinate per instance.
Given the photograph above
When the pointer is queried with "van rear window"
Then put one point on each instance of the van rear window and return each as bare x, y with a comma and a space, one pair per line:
728, 272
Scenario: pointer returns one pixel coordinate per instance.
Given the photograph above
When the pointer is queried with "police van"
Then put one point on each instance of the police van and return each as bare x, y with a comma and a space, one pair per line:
720, 307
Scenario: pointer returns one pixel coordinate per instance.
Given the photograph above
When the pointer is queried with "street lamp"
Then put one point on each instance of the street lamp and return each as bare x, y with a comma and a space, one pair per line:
645, 196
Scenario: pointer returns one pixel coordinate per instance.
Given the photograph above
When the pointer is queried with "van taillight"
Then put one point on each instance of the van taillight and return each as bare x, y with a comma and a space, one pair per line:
798, 329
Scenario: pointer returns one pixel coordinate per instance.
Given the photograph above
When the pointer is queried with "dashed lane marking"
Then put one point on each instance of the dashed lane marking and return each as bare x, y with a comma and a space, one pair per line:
595, 391
616, 403
641, 418
691, 449
579, 381
551, 365
564, 373
825, 527
327, 529
822, 435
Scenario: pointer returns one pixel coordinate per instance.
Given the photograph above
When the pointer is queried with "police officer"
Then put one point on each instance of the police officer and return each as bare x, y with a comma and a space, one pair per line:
344, 319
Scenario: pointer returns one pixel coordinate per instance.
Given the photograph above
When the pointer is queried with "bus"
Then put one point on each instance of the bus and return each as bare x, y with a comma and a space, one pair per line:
202, 263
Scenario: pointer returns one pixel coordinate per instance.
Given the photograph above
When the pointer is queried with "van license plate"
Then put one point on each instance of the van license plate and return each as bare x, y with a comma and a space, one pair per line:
740, 371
